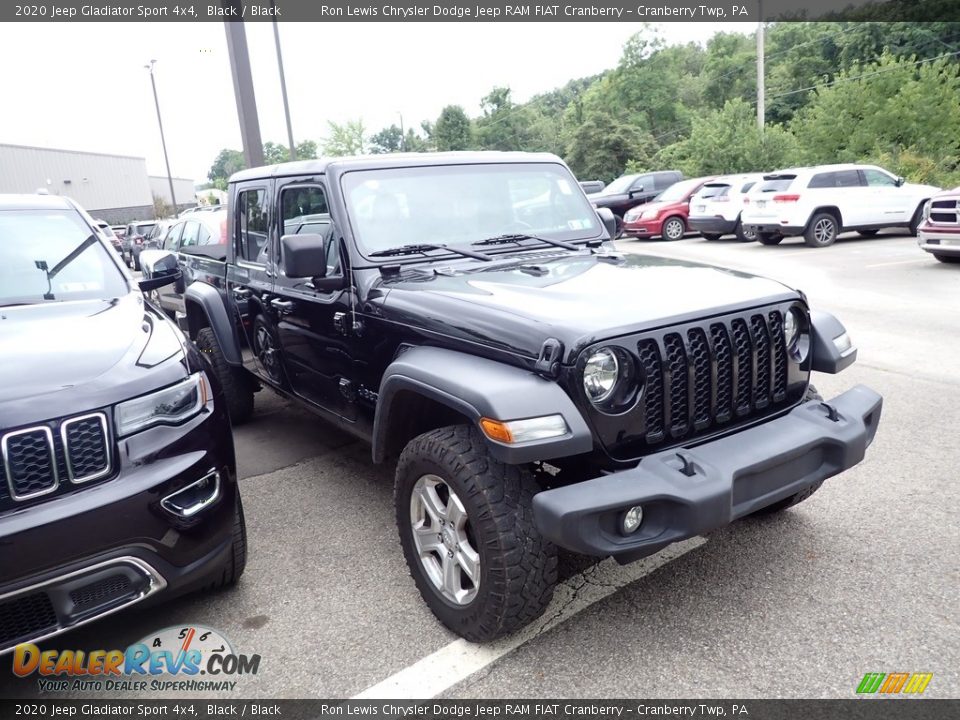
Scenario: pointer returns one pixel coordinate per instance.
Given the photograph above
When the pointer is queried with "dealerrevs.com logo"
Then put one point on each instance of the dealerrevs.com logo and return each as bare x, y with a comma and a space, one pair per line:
192, 659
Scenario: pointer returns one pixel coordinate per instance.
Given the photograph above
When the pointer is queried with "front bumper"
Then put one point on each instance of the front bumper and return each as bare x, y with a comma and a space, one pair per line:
643, 228
712, 225
939, 240
80, 556
687, 492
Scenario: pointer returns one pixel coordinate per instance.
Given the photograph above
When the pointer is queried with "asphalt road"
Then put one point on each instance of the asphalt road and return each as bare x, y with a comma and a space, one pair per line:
863, 577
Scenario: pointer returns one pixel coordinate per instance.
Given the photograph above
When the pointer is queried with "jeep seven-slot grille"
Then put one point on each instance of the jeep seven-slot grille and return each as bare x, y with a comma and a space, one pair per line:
711, 375
39, 460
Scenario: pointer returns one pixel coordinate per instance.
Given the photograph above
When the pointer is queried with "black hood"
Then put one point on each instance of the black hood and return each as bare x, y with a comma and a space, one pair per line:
577, 299
62, 358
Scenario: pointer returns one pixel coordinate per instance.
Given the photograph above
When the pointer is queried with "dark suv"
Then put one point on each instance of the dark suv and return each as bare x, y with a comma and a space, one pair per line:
629, 191
465, 314
118, 478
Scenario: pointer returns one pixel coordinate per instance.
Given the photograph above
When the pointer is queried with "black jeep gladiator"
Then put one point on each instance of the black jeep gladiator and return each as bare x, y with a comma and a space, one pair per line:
466, 314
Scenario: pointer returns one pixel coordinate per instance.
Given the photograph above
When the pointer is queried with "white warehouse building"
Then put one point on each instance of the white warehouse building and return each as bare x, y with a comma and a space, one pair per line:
115, 188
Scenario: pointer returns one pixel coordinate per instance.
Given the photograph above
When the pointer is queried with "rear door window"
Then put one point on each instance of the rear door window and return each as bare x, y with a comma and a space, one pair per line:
191, 234
835, 179
251, 237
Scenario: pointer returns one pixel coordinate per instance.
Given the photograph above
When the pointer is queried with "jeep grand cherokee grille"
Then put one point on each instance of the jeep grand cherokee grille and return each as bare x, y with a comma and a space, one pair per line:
704, 378
40, 460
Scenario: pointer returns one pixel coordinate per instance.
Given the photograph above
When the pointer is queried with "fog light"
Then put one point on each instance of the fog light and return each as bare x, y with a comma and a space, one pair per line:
632, 519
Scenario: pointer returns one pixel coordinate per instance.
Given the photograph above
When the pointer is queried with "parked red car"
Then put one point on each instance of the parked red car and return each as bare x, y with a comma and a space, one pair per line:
666, 215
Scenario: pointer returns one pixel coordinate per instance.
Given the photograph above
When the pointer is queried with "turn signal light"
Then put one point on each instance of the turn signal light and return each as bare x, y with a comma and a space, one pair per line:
496, 430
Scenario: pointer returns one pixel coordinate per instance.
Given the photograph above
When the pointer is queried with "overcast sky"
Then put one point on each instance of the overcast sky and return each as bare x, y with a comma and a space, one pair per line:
84, 87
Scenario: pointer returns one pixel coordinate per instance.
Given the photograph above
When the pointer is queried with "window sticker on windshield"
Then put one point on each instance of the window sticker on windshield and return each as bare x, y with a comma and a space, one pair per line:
575, 224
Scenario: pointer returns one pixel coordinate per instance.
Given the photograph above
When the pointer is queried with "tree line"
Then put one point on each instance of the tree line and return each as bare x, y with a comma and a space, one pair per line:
885, 93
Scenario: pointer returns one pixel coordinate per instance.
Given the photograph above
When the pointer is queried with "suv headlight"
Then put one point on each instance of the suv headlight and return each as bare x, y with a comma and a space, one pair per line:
170, 406
600, 375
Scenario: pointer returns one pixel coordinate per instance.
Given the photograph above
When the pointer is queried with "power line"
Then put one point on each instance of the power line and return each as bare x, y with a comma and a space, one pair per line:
860, 77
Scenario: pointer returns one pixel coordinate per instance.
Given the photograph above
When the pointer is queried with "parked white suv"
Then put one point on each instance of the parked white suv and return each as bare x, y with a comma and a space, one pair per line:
715, 209
821, 202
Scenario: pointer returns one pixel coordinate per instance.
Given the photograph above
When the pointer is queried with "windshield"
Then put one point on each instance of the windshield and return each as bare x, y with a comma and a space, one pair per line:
677, 191
47, 255
144, 228
620, 185
461, 204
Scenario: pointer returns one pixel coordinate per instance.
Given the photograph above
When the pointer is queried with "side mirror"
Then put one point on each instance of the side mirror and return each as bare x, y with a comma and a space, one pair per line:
304, 256
900, 181
635, 190
159, 268
609, 221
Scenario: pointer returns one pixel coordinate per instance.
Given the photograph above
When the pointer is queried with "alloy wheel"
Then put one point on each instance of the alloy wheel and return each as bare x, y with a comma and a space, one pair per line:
444, 540
824, 231
673, 229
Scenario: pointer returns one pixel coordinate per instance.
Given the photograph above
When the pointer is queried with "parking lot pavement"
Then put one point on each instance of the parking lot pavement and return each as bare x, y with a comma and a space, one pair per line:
863, 577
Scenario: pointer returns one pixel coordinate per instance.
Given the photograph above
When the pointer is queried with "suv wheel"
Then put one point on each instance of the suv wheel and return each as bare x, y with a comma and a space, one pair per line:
237, 388
744, 235
467, 533
238, 550
769, 238
673, 228
799, 497
822, 230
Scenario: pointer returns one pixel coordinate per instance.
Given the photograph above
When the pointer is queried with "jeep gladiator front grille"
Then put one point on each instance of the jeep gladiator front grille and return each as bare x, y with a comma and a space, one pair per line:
37, 461
704, 378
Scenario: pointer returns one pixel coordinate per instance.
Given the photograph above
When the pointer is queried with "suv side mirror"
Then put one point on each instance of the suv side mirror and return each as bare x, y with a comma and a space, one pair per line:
900, 181
635, 190
159, 268
609, 221
304, 256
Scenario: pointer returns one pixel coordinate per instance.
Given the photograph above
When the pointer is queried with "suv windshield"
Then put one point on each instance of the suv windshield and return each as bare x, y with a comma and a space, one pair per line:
461, 204
48, 255
620, 185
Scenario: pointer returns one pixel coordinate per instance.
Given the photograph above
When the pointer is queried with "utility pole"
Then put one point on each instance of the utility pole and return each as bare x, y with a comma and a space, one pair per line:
163, 141
243, 90
283, 86
761, 89
403, 137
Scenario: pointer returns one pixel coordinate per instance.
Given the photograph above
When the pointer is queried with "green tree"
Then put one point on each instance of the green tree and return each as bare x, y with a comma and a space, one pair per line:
274, 153
388, 140
728, 141
346, 139
452, 130
601, 147
226, 164
306, 150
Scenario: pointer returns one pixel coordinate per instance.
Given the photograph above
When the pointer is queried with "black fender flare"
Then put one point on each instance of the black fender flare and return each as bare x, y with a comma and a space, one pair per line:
827, 357
476, 388
213, 304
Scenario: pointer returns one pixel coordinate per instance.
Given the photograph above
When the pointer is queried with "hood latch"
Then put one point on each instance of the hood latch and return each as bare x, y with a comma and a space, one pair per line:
548, 364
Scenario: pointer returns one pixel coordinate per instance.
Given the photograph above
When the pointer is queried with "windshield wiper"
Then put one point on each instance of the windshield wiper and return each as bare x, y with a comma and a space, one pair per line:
421, 249
517, 237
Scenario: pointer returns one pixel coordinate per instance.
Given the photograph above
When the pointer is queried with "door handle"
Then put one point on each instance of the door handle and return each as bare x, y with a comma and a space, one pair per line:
241, 293
283, 306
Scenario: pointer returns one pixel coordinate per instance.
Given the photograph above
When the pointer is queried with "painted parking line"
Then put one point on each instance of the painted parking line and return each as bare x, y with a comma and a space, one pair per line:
899, 262
455, 662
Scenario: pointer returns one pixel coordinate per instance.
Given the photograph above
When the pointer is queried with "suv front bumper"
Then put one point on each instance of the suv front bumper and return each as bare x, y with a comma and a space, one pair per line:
687, 492
939, 239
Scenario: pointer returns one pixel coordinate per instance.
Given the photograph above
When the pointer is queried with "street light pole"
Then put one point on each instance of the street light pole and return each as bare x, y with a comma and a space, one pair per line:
283, 87
403, 137
163, 141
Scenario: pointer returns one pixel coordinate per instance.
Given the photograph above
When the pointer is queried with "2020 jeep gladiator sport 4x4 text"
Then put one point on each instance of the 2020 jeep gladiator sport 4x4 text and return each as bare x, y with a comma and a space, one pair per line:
465, 314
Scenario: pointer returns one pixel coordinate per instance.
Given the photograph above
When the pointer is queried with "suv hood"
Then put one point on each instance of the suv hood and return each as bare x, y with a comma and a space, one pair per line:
61, 358
578, 299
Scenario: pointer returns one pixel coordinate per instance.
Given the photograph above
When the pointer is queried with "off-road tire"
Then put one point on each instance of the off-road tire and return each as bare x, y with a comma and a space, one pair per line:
710, 236
237, 562
822, 230
742, 236
518, 567
947, 258
789, 502
769, 238
237, 387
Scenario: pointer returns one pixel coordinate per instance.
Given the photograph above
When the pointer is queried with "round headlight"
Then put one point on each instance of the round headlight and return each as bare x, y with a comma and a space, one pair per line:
600, 375
791, 327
